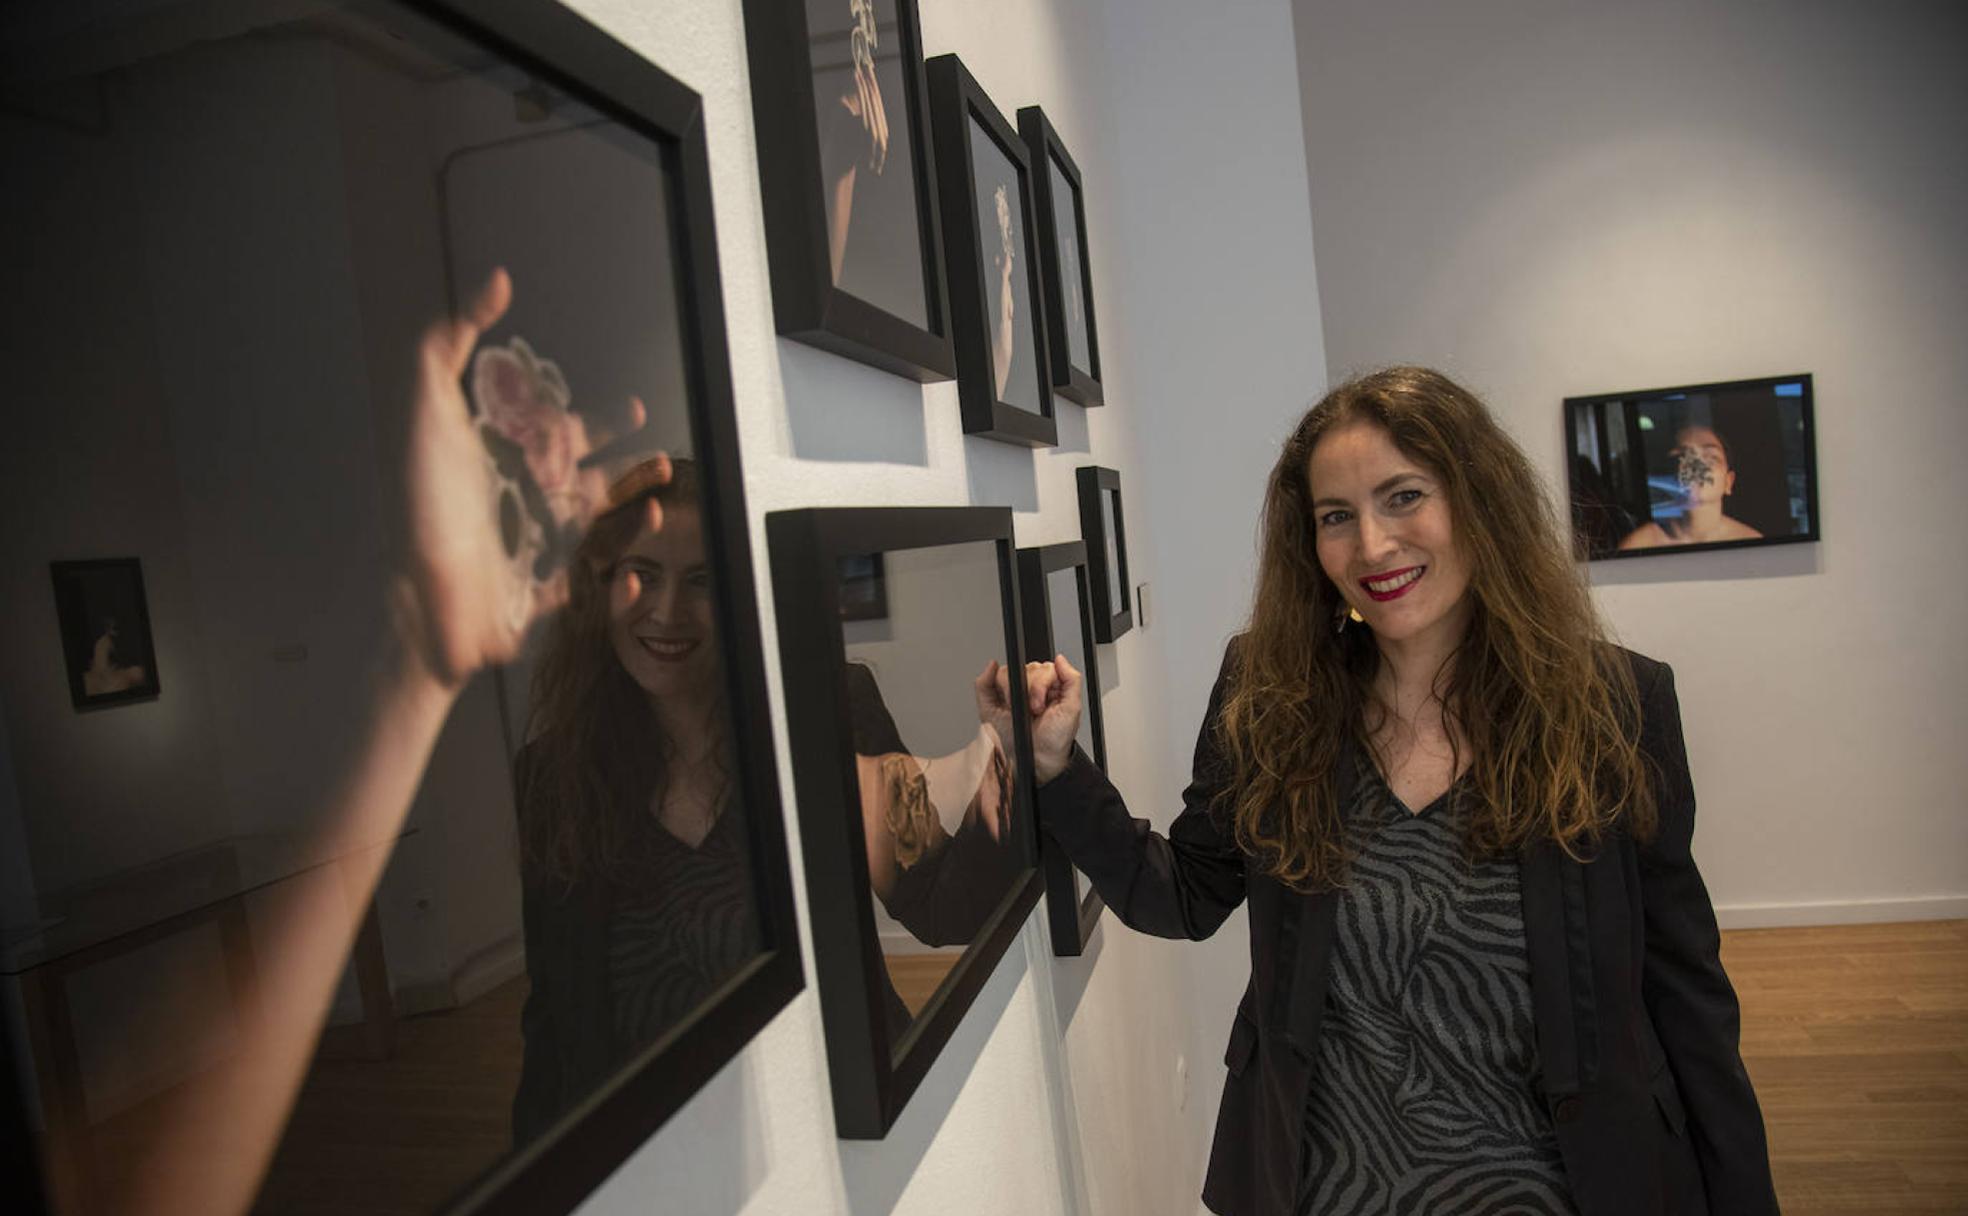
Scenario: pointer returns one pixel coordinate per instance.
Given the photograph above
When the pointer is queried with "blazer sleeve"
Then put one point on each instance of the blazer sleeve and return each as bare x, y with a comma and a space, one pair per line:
1181, 885
1688, 996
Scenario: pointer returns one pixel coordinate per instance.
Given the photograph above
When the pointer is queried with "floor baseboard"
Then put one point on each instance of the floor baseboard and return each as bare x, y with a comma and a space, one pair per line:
1841, 912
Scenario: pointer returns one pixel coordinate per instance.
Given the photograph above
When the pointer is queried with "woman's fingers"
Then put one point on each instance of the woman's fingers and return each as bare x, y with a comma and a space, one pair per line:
481, 314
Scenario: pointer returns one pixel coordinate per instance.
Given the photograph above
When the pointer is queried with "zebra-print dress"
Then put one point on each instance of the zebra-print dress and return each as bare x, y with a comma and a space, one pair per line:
1425, 1083
679, 928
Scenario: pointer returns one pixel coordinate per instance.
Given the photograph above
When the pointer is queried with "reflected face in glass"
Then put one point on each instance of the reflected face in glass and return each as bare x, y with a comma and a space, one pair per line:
661, 619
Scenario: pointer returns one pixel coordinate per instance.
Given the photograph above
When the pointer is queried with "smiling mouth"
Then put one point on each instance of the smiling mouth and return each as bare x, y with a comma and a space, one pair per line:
669, 650
1394, 584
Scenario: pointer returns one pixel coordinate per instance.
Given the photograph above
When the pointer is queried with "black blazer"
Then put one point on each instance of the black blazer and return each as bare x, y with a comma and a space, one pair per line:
1637, 1025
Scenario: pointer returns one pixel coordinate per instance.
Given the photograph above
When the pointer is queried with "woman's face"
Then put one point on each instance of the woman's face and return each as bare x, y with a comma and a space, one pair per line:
1381, 527
1701, 464
660, 617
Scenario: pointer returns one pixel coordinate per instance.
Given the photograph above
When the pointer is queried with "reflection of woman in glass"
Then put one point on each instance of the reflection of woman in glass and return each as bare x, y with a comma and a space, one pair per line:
855, 130
1706, 478
632, 858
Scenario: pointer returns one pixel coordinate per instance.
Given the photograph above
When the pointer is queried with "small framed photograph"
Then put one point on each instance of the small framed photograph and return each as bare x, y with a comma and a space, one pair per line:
1704, 466
1073, 339
1105, 533
847, 176
105, 632
1055, 589
863, 590
912, 777
984, 179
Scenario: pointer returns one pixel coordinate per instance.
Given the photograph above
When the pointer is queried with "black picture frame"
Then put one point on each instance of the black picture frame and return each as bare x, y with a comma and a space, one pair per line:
1073, 907
1619, 485
807, 305
1049, 157
103, 600
561, 1168
864, 587
1113, 613
871, 1082
957, 106
558, 1170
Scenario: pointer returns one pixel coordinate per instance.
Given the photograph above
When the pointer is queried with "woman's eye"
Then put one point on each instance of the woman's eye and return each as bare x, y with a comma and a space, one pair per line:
1332, 519
1404, 498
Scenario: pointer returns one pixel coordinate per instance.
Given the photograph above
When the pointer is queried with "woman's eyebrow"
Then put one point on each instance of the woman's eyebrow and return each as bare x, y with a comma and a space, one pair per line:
1378, 490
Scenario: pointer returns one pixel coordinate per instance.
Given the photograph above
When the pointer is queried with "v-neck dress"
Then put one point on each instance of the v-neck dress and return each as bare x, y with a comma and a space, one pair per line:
1425, 1094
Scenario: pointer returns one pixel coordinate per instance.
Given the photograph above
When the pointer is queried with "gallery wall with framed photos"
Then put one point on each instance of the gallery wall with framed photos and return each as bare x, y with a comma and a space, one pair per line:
991, 248
912, 777
1073, 340
1104, 530
383, 348
1056, 590
847, 176
1704, 466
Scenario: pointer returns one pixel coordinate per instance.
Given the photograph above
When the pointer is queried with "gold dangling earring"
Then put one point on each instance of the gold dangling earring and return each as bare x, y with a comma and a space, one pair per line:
1354, 613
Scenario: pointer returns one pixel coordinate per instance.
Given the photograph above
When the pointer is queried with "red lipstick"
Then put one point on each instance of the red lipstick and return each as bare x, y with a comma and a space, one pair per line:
1393, 584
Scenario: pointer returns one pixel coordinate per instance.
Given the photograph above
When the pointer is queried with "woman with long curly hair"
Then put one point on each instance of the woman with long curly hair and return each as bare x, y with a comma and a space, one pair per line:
1484, 971
637, 898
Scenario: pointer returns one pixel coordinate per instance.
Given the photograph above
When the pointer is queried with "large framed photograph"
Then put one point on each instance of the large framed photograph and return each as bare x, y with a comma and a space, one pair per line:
457, 865
1105, 533
1703, 466
1073, 338
913, 781
984, 179
847, 176
106, 645
1055, 587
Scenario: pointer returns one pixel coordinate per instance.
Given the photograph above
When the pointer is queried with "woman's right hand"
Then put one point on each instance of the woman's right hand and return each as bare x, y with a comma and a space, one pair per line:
1054, 691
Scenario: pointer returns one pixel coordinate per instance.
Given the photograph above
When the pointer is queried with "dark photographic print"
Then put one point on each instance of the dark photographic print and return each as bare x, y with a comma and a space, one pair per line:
846, 172
105, 632
915, 812
1004, 381
1058, 606
1103, 528
452, 863
1073, 344
863, 589
1706, 466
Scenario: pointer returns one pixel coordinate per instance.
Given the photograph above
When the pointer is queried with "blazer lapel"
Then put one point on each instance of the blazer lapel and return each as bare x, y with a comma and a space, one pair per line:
1541, 884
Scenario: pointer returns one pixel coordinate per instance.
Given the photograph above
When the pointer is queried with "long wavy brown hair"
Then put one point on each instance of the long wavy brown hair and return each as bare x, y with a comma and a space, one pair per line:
596, 752
1543, 703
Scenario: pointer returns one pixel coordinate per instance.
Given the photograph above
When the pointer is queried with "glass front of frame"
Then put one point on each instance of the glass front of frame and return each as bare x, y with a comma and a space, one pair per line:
1071, 637
371, 346
1072, 276
1008, 299
935, 766
867, 159
1110, 537
1706, 466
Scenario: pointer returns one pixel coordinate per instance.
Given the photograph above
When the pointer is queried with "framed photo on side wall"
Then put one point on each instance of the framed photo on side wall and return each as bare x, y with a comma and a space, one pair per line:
913, 781
1073, 339
106, 645
1102, 528
984, 181
847, 175
1054, 587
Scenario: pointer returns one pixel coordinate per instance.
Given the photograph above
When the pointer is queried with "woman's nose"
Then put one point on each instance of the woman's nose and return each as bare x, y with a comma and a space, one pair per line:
1376, 541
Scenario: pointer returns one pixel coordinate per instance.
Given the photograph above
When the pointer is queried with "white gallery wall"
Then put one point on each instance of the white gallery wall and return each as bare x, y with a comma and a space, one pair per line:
1548, 199
1088, 1085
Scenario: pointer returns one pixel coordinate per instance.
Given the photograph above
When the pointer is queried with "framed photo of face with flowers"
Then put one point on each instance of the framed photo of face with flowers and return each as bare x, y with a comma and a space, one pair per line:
390, 334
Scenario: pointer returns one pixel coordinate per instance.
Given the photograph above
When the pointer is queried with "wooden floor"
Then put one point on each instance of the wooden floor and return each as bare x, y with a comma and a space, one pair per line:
1856, 1037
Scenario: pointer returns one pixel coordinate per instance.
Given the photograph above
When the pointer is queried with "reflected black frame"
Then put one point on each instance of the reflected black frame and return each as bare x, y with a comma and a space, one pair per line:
1081, 385
955, 99
1072, 913
74, 640
558, 1170
1110, 620
806, 306
872, 1079
1810, 451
